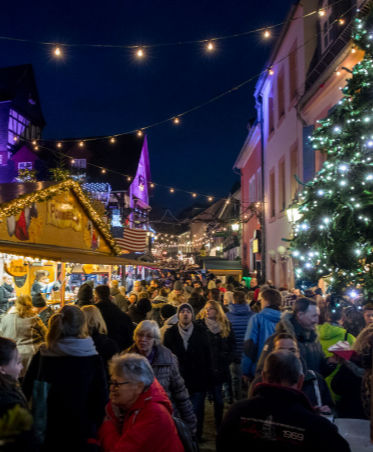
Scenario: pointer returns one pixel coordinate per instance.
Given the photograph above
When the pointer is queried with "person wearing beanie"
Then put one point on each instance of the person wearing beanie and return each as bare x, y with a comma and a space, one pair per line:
189, 342
43, 311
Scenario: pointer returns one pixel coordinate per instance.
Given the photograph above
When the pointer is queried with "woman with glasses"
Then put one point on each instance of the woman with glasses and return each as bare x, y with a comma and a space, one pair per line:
139, 414
66, 385
221, 340
147, 338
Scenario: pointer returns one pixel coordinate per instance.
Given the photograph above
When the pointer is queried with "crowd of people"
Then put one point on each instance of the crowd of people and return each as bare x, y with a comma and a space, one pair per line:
130, 367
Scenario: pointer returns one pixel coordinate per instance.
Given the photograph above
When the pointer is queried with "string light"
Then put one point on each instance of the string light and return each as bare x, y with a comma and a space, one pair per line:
15, 138
210, 46
103, 171
81, 143
139, 133
176, 120
140, 53
152, 185
271, 71
210, 198
72, 161
172, 190
34, 142
129, 178
112, 140
338, 73
57, 52
36, 148
59, 145
353, 50
267, 34
194, 195
321, 12
341, 21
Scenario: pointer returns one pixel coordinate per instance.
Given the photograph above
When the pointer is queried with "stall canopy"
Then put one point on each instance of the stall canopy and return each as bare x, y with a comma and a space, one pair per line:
222, 266
55, 221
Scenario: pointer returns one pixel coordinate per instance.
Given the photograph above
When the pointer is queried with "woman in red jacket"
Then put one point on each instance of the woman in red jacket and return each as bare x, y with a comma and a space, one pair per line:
139, 414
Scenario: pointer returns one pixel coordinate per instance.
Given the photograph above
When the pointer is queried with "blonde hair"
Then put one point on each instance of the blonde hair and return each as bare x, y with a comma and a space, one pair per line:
122, 290
221, 318
94, 319
24, 306
143, 294
364, 340
69, 321
152, 327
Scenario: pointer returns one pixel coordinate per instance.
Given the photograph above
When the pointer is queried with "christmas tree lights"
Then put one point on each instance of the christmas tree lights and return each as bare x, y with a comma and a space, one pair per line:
334, 237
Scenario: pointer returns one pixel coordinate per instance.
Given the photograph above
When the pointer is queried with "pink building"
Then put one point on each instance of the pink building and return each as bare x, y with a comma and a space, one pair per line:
302, 83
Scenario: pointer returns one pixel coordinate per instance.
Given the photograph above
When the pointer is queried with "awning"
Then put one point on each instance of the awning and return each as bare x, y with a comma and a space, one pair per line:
64, 254
222, 266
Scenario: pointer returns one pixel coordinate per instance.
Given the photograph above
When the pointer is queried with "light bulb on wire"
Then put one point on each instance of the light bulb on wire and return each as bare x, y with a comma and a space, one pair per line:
194, 195
140, 53
139, 133
176, 120
112, 140
210, 46
321, 12
57, 52
81, 143
59, 145
267, 34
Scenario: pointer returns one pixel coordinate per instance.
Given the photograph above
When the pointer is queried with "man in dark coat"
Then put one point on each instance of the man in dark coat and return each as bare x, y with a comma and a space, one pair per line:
7, 294
119, 325
301, 324
278, 417
189, 342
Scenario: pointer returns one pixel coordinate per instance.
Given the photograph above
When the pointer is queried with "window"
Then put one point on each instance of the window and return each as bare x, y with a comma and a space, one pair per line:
259, 184
252, 189
271, 119
326, 25
3, 157
79, 163
293, 72
280, 94
281, 187
272, 194
293, 170
24, 166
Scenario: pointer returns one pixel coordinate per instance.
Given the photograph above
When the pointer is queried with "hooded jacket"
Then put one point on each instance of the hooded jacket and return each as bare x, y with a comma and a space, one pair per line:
280, 419
259, 328
330, 334
239, 315
308, 343
147, 425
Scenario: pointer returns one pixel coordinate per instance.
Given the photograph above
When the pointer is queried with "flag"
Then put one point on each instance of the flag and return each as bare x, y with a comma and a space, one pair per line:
133, 240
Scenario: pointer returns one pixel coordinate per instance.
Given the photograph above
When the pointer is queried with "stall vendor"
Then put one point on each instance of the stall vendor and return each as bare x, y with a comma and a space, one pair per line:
41, 283
7, 294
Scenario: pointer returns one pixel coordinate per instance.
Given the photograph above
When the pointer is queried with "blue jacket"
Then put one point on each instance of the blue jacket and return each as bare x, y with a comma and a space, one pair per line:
239, 315
260, 327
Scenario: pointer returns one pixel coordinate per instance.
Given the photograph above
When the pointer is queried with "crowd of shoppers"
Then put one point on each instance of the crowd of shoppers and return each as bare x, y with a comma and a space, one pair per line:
131, 370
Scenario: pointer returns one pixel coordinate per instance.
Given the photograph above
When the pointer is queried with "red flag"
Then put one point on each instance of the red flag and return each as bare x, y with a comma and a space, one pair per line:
133, 240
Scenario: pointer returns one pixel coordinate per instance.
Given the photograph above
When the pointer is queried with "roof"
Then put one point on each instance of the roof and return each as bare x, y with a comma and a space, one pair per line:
121, 156
221, 264
17, 84
15, 197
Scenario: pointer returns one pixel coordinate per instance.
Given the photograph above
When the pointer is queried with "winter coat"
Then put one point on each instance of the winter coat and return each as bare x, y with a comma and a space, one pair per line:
171, 321
308, 343
155, 314
329, 334
76, 399
46, 314
119, 324
139, 310
105, 347
17, 435
347, 384
37, 287
221, 354
146, 426
85, 295
27, 332
166, 371
117, 298
6, 292
195, 362
259, 328
239, 315
280, 419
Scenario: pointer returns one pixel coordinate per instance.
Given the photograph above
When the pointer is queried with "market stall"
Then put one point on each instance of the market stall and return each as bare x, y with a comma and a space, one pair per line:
49, 229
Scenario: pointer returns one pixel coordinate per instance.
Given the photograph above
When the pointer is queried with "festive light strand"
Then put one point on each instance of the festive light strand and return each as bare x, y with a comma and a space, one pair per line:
265, 30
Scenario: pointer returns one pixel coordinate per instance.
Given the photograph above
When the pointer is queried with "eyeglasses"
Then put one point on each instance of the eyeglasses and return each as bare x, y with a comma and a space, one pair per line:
145, 336
116, 384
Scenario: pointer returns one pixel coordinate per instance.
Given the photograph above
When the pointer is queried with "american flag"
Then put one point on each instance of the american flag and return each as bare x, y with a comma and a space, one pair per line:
133, 240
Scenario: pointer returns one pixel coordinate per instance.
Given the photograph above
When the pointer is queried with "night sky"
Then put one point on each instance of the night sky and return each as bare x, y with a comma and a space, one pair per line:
101, 91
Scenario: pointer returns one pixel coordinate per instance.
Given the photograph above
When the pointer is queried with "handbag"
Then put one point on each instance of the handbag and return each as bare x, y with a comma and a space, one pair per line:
189, 442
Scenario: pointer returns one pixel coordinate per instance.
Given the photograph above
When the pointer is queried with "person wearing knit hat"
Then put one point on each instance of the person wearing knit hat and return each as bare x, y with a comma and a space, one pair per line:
189, 342
40, 305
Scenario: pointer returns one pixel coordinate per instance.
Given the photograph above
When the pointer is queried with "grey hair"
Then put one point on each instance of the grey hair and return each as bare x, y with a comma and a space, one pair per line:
135, 367
152, 327
282, 367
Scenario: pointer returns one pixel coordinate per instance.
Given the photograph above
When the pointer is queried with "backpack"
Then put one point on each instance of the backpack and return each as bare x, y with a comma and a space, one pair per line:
188, 441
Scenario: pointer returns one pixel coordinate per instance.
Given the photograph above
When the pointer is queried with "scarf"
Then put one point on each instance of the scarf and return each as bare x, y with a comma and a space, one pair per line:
213, 326
71, 346
185, 333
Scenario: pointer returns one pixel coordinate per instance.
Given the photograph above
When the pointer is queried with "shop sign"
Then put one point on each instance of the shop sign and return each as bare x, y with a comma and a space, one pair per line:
256, 246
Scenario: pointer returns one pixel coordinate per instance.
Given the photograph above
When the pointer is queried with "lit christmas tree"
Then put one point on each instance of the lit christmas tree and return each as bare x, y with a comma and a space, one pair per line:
334, 237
